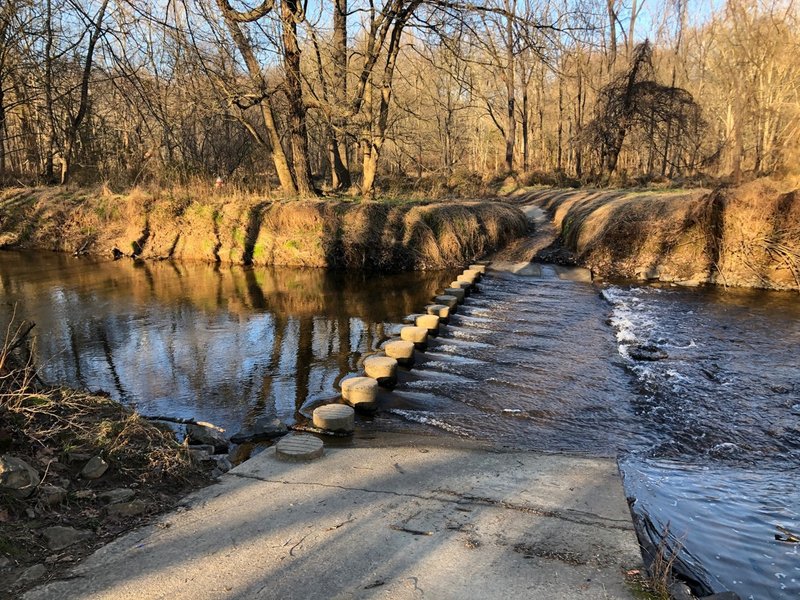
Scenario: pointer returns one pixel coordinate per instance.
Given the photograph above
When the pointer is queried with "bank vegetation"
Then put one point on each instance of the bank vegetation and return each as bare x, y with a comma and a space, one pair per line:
76, 470
746, 236
245, 229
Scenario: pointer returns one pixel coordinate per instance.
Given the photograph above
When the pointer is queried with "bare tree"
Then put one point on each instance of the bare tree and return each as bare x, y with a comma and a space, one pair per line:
95, 28
634, 99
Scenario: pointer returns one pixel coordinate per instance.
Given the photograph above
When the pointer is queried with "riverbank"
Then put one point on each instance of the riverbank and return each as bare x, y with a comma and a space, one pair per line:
76, 471
240, 229
401, 517
739, 237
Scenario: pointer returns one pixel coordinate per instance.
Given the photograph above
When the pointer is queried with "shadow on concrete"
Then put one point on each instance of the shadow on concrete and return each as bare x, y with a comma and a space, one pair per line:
394, 522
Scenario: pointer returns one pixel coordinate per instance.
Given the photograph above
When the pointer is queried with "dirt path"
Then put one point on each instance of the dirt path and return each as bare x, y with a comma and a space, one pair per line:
543, 233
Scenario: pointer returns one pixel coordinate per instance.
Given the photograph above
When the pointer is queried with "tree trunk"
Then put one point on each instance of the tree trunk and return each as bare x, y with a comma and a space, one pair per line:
612, 34
540, 99
526, 165
275, 148
3, 29
368, 165
377, 135
579, 121
511, 118
279, 159
2, 134
369, 168
737, 148
74, 127
339, 164
50, 141
559, 155
294, 92
635, 8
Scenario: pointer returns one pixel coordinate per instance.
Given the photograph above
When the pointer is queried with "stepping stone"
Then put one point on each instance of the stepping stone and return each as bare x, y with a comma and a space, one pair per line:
360, 392
299, 447
400, 350
429, 322
476, 275
418, 335
479, 268
461, 284
457, 292
334, 417
440, 310
450, 301
381, 368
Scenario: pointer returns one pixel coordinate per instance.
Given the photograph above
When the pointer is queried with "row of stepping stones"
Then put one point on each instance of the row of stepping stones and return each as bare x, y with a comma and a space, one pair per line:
380, 370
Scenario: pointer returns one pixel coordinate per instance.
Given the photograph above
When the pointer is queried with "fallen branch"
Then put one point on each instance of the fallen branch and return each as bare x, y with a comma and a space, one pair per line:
179, 420
786, 536
19, 338
411, 531
312, 429
82, 250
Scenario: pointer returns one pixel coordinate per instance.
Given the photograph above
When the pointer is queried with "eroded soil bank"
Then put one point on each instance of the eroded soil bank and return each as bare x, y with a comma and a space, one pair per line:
240, 230
741, 237
77, 470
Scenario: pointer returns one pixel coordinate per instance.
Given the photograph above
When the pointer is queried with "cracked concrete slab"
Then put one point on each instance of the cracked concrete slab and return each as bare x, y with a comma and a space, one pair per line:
409, 519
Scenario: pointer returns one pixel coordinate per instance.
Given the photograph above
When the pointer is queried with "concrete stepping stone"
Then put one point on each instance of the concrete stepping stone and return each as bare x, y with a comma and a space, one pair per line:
334, 417
470, 279
382, 369
299, 447
450, 301
457, 292
400, 350
429, 322
418, 335
360, 392
476, 275
440, 310
463, 285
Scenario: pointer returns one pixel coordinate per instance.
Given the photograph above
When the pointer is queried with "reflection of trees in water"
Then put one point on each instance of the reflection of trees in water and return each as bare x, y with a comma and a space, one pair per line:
202, 340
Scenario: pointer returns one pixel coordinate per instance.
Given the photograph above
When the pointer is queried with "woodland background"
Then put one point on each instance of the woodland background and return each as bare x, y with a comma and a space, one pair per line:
437, 96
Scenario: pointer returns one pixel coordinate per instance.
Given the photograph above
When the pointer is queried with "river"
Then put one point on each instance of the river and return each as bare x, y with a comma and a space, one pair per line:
708, 436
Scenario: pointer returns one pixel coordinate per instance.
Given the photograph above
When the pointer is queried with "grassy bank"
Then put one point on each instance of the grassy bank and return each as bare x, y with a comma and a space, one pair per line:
741, 237
76, 470
241, 229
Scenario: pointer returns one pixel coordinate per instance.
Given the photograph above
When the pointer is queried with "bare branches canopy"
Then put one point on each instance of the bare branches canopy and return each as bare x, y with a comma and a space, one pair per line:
349, 94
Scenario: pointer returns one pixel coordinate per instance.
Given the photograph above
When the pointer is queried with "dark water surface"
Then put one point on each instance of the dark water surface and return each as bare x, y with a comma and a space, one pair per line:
709, 437
223, 345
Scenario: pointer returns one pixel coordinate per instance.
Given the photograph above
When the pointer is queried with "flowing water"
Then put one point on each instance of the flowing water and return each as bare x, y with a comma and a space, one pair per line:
708, 435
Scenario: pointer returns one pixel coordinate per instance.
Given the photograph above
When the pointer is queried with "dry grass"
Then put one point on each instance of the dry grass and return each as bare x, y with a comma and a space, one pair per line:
240, 228
744, 237
660, 569
623, 233
760, 225
54, 430
69, 421
62, 421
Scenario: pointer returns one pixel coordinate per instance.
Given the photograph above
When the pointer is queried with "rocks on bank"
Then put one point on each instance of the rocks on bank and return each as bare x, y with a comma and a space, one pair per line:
77, 470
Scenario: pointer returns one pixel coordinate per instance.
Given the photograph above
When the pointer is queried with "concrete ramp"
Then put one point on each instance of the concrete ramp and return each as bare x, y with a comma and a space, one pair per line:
409, 519
541, 270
